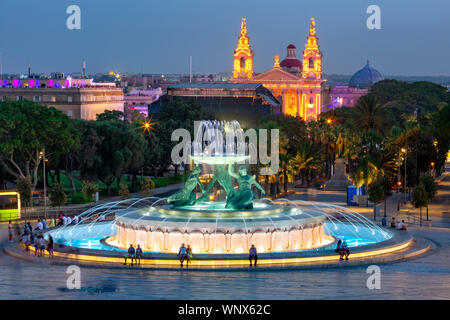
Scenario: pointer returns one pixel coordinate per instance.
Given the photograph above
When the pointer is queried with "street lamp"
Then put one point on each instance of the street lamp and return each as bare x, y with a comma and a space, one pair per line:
405, 151
399, 184
42, 154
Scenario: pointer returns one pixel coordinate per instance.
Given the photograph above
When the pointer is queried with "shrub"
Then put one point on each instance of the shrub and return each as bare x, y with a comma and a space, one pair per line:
57, 195
147, 186
89, 189
124, 193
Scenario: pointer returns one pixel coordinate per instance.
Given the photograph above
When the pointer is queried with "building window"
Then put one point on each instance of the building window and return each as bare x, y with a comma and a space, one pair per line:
242, 62
19, 98
4, 98
69, 113
37, 99
69, 99
53, 99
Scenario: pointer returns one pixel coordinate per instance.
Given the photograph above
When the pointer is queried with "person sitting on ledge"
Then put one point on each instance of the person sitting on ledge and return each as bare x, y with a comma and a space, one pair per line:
402, 225
338, 247
393, 223
138, 255
182, 254
130, 255
344, 251
253, 255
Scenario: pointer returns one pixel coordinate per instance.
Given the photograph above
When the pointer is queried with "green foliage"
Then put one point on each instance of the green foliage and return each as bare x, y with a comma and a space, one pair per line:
419, 196
79, 198
124, 193
376, 191
110, 115
24, 188
147, 186
89, 189
121, 149
429, 185
57, 195
27, 129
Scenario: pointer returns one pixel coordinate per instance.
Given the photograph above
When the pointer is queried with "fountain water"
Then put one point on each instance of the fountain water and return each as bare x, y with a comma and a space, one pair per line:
222, 228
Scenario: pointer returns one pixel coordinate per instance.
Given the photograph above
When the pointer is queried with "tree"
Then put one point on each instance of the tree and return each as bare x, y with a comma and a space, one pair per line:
24, 187
430, 188
108, 115
27, 129
122, 148
147, 186
124, 193
376, 194
89, 189
57, 195
419, 198
369, 114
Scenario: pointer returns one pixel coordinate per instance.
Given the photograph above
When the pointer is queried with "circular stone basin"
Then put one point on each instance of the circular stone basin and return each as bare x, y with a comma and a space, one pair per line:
218, 235
210, 228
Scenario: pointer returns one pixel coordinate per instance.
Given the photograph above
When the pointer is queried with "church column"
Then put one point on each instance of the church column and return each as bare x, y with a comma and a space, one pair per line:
283, 106
299, 104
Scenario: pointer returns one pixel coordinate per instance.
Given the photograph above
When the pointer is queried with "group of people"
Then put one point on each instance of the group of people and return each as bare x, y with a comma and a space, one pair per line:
36, 238
342, 249
400, 226
67, 219
185, 254
135, 254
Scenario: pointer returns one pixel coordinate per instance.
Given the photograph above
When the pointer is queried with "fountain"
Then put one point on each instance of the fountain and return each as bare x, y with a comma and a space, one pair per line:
220, 226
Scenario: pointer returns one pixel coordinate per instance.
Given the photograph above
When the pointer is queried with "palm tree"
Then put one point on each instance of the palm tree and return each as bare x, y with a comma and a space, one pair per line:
307, 159
368, 114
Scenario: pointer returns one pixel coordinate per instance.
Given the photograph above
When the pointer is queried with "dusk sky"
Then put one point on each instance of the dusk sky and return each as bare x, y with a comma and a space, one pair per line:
159, 36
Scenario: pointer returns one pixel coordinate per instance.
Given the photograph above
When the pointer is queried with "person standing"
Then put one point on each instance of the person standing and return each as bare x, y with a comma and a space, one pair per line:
44, 224
10, 231
40, 225
50, 246
253, 255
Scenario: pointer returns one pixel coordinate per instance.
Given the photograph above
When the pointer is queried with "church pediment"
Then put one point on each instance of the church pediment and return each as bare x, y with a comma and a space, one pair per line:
276, 74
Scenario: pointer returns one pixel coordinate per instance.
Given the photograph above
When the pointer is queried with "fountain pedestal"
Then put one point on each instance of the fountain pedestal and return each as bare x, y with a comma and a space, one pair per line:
339, 181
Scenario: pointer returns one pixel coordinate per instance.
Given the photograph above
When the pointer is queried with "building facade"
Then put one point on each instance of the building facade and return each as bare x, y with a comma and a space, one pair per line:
246, 102
297, 85
77, 98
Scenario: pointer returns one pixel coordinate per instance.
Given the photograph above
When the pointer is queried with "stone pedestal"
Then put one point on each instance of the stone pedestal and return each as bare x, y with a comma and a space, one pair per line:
339, 181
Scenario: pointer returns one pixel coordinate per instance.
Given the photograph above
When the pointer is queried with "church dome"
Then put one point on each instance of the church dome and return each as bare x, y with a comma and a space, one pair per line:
291, 61
365, 77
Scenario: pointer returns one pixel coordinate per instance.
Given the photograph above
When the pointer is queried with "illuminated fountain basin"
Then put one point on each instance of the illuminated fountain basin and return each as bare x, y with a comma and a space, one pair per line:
209, 228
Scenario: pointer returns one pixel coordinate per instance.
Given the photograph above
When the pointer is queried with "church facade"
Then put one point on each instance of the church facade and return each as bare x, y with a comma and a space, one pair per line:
298, 85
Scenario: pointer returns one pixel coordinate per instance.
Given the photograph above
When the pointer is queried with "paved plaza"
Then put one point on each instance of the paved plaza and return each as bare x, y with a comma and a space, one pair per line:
424, 277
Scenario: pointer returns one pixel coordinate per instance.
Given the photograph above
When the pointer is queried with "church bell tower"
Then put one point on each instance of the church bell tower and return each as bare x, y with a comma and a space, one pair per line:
243, 56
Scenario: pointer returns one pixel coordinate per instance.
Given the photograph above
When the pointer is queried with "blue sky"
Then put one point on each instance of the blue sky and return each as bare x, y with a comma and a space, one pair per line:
159, 36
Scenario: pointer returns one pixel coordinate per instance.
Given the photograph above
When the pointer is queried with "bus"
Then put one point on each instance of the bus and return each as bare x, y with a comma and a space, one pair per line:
9, 205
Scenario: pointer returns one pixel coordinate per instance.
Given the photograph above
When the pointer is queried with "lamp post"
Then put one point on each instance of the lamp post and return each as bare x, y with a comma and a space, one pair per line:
399, 184
405, 151
42, 154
